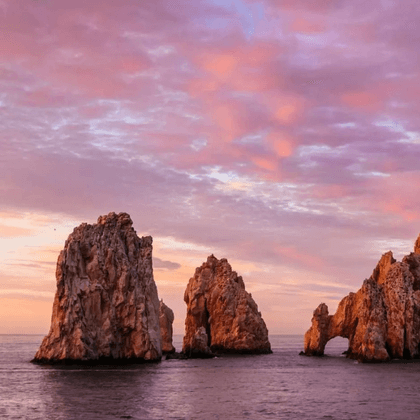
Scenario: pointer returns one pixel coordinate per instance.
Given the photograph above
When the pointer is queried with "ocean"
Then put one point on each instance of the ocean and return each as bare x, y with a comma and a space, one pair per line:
282, 385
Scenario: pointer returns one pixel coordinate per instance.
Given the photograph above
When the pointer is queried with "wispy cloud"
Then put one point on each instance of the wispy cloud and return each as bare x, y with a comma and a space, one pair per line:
162, 264
278, 133
27, 293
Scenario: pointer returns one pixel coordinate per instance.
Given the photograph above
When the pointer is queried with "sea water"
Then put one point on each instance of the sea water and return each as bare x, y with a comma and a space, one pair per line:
282, 385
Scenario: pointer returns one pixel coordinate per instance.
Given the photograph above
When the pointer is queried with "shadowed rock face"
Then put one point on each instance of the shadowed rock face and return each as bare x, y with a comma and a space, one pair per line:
166, 319
106, 306
381, 320
221, 316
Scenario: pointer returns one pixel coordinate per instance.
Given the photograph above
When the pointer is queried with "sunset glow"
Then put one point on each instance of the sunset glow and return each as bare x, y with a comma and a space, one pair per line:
281, 135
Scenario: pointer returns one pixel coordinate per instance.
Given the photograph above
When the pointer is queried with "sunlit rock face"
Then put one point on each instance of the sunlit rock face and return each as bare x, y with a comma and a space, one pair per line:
106, 307
381, 320
166, 319
221, 316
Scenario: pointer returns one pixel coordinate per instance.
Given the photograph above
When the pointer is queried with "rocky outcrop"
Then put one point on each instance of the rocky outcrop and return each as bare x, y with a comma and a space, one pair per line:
381, 320
221, 316
166, 319
106, 307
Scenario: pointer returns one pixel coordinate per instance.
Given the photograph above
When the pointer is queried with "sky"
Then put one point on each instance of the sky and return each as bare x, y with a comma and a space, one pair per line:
282, 135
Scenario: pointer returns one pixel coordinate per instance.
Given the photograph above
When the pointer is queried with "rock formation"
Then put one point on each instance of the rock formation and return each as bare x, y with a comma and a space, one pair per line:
381, 320
166, 318
221, 316
106, 307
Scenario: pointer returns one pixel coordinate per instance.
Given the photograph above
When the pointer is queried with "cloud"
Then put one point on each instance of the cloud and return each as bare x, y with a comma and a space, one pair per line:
278, 133
27, 293
44, 265
12, 231
162, 264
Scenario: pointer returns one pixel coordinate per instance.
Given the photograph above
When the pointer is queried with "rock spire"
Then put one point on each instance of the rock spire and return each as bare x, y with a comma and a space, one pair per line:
106, 307
166, 319
221, 316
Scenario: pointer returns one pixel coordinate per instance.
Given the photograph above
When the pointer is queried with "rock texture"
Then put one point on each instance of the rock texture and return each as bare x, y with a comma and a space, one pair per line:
106, 307
166, 319
221, 316
381, 320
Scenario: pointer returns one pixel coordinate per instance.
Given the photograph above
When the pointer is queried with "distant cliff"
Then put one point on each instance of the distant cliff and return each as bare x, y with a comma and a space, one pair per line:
106, 306
221, 316
381, 320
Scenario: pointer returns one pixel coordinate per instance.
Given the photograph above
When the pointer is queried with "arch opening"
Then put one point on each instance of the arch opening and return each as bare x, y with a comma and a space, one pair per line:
337, 347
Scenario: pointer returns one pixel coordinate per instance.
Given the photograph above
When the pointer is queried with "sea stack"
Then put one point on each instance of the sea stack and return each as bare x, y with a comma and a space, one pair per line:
106, 308
166, 319
381, 320
221, 316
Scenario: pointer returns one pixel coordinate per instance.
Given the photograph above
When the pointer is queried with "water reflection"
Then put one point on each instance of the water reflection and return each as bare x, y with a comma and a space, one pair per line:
98, 392
175, 389
222, 388
282, 385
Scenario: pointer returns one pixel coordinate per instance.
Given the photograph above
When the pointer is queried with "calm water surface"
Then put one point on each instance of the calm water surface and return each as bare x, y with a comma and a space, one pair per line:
282, 385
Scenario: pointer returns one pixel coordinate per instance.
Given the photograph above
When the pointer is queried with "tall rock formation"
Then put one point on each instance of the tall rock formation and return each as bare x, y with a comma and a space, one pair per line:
221, 316
106, 307
166, 319
381, 320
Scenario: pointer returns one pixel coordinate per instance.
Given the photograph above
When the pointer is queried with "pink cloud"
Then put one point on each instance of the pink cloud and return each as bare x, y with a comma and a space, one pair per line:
13, 231
282, 143
331, 192
286, 108
307, 26
368, 101
221, 65
134, 107
269, 164
235, 70
229, 119
316, 5
46, 97
394, 195
365, 32
305, 259
94, 111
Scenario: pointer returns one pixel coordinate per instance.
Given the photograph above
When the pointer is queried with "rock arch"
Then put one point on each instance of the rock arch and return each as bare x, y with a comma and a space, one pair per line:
381, 320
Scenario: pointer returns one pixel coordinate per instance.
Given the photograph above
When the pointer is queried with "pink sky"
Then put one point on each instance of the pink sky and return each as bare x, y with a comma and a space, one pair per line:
281, 135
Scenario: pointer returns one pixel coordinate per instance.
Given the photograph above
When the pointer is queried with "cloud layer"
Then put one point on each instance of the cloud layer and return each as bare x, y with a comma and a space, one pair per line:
279, 134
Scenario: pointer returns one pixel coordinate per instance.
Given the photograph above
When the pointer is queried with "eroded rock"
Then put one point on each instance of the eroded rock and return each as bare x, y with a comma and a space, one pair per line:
166, 319
221, 316
106, 307
381, 320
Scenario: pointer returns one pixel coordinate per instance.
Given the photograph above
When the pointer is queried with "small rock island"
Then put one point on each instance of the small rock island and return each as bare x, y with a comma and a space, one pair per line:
221, 316
381, 320
166, 319
106, 308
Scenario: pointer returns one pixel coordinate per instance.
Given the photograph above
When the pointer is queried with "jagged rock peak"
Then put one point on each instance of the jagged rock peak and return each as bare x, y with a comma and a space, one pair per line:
166, 319
381, 320
381, 270
113, 219
106, 306
221, 314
